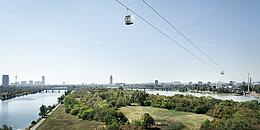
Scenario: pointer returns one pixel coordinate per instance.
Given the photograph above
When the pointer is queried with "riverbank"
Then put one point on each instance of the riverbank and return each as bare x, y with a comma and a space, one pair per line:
221, 96
19, 112
7, 93
43, 119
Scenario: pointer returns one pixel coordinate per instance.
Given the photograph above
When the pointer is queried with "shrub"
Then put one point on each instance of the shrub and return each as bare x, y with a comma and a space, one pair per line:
114, 125
87, 114
206, 125
75, 111
147, 120
200, 110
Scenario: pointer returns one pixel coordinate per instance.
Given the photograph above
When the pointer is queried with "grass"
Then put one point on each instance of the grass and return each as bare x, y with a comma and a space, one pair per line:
59, 120
190, 120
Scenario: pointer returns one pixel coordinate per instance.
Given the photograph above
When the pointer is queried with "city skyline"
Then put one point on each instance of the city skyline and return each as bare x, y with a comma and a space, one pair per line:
26, 82
87, 41
7, 82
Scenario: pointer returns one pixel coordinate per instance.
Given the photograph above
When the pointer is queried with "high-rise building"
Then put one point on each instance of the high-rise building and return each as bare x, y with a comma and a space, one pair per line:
24, 83
111, 80
156, 82
30, 83
43, 80
5, 80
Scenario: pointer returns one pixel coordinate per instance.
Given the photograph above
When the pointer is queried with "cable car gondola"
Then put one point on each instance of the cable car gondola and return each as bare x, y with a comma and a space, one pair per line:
128, 20
222, 72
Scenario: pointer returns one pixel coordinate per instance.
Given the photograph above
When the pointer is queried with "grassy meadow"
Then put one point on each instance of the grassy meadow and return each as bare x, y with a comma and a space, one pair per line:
60, 120
190, 120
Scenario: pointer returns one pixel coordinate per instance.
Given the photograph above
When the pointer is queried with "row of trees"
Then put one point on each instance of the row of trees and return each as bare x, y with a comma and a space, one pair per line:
11, 92
44, 110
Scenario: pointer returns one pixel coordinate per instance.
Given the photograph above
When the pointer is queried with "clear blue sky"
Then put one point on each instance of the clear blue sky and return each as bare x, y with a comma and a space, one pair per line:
83, 41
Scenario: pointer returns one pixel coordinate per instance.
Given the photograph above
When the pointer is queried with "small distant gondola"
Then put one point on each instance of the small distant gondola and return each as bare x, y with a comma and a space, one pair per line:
128, 20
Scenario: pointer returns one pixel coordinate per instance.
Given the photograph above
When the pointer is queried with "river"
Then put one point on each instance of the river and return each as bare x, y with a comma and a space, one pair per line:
20, 111
240, 98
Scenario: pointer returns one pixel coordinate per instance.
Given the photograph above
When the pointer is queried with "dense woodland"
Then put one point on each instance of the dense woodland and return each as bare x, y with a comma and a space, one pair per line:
102, 105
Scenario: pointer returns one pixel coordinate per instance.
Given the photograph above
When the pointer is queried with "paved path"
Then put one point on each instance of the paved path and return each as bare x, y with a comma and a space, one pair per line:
43, 119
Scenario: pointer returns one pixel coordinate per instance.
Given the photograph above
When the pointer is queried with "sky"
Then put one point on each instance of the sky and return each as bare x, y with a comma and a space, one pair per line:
86, 41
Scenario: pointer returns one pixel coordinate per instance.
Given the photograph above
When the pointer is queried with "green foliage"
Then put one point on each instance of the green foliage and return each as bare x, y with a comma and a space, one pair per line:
43, 111
87, 114
98, 106
50, 108
206, 125
114, 125
243, 119
200, 110
11, 92
61, 98
136, 122
257, 89
101, 105
139, 97
69, 103
75, 111
147, 120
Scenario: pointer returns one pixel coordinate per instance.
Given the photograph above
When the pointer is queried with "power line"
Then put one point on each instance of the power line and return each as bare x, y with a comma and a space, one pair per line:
182, 34
167, 36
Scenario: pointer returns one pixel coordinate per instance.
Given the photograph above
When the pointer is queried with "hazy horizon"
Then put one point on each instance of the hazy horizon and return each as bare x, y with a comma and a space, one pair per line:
86, 41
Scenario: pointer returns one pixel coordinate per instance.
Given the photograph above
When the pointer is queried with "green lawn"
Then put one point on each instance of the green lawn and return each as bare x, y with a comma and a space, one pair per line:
59, 120
190, 120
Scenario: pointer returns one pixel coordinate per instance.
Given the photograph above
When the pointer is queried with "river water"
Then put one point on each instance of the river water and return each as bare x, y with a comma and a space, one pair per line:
240, 98
20, 111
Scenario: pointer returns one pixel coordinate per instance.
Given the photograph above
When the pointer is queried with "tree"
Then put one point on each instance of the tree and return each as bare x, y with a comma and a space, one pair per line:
43, 111
147, 120
33, 123
200, 110
49, 108
60, 99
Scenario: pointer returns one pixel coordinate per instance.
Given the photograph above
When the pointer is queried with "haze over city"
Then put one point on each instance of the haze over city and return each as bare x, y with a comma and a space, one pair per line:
87, 41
